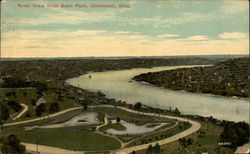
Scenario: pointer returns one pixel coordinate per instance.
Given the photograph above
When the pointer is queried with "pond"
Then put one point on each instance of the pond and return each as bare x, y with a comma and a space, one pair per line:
132, 129
89, 118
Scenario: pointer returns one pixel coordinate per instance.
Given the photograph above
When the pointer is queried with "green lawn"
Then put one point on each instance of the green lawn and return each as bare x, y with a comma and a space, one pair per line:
58, 119
72, 139
203, 142
23, 95
116, 126
138, 119
29, 94
161, 134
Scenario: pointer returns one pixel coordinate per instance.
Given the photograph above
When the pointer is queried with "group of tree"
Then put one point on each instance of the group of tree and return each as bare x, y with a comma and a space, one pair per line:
11, 145
138, 106
229, 78
42, 108
54, 107
14, 105
17, 82
186, 142
5, 113
154, 149
236, 134
6, 107
14, 82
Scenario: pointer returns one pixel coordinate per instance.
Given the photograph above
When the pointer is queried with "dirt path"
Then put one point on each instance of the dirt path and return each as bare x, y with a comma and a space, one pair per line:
25, 109
105, 123
49, 150
41, 118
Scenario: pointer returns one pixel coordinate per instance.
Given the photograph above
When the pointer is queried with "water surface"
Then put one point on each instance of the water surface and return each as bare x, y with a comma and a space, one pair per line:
118, 85
89, 118
132, 129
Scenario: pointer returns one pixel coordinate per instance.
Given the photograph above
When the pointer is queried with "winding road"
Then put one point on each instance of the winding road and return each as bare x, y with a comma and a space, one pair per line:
49, 150
195, 127
41, 118
25, 109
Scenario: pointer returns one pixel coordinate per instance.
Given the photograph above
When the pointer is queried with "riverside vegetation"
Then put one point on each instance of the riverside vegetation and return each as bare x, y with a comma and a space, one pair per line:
228, 78
30, 80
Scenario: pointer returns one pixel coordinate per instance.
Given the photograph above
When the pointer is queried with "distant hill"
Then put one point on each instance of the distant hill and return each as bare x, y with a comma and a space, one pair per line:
58, 70
229, 78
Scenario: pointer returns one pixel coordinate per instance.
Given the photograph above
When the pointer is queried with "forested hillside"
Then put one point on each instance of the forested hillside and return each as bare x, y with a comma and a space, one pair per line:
229, 78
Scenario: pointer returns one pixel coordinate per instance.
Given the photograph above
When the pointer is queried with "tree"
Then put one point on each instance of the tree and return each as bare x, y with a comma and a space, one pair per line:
118, 120
176, 111
183, 142
12, 145
137, 106
54, 107
154, 150
190, 141
150, 149
85, 106
157, 148
236, 133
40, 109
14, 105
33, 102
5, 114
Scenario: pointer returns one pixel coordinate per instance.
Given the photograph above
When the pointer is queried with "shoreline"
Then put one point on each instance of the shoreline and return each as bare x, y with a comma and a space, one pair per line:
180, 91
189, 92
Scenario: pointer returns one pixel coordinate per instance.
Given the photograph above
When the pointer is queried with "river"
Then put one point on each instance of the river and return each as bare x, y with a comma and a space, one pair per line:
118, 85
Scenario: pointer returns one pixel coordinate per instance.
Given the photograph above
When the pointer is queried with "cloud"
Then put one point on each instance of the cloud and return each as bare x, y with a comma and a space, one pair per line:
234, 6
63, 16
86, 32
196, 38
123, 32
117, 45
234, 35
160, 21
45, 35
168, 35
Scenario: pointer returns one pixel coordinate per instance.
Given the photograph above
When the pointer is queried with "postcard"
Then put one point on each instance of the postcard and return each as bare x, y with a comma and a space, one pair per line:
124, 76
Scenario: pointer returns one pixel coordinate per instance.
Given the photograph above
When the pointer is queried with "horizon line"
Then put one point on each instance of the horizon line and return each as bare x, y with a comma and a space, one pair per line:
122, 56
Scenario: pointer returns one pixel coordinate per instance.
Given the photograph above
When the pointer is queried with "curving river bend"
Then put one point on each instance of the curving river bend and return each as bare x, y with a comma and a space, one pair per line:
118, 85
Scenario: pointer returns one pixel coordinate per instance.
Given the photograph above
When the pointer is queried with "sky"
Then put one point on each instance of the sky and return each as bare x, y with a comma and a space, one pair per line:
142, 28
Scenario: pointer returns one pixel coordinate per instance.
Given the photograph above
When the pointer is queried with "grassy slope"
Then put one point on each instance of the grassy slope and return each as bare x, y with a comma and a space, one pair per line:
161, 135
131, 117
228, 78
27, 95
207, 143
116, 126
70, 139
24, 95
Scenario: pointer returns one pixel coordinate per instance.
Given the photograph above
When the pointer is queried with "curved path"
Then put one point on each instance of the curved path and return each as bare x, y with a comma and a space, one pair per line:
48, 149
195, 127
127, 143
42, 118
43, 149
25, 109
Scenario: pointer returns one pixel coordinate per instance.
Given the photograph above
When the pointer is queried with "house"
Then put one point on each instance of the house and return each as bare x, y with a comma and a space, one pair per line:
41, 100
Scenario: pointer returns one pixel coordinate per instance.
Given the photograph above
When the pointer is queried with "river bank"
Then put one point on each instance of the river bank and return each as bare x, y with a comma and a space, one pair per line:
117, 85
